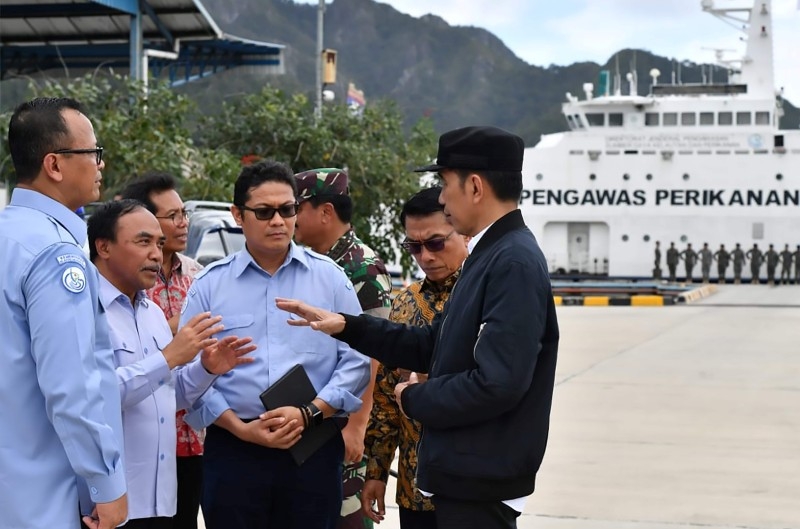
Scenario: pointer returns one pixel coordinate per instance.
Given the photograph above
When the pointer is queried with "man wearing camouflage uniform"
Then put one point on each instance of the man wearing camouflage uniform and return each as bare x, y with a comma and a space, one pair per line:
323, 224
689, 257
738, 258
673, 256
786, 265
723, 258
706, 258
756, 257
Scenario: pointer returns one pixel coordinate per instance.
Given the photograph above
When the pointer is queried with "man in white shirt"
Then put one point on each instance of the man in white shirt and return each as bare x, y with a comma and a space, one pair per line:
125, 244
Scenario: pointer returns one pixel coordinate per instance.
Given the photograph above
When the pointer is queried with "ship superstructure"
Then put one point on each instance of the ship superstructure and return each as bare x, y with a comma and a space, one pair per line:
686, 163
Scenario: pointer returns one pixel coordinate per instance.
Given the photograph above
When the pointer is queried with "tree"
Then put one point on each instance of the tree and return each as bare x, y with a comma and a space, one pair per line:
370, 145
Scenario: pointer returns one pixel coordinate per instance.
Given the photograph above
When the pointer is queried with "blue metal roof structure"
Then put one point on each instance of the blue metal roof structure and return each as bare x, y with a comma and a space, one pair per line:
177, 36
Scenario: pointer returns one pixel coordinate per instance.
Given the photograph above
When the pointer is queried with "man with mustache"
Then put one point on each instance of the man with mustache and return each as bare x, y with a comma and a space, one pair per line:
125, 244
158, 192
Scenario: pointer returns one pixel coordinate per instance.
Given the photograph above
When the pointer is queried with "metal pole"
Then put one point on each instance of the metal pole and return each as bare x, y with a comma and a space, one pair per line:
318, 85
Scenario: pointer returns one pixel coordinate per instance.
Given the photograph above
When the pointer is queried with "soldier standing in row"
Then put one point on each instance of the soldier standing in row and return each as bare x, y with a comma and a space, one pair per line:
786, 268
772, 258
738, 257
706, 258
689, 257
796, 256
723, 258
673, 256
657, 269
756, 257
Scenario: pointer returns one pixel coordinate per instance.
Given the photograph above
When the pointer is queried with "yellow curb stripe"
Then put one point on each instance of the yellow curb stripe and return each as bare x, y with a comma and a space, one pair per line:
647, 301
595, 301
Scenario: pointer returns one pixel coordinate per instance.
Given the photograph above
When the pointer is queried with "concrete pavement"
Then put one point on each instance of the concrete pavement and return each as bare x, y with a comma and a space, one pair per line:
674, 417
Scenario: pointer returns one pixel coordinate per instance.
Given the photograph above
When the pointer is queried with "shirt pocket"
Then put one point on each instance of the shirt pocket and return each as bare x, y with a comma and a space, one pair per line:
124, 352
305, 340
237, 325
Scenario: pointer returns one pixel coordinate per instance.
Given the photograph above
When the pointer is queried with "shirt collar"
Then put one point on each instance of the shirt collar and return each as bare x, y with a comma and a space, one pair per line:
28, 198
109, 294
242, 259
473, 242
443, 286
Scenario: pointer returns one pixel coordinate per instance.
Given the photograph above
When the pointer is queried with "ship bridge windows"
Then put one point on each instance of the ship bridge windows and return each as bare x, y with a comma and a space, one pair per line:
744, 118
615, 119
725, 118
651, 119
706, 118
596, 119
688, 118
762, 118
670, 119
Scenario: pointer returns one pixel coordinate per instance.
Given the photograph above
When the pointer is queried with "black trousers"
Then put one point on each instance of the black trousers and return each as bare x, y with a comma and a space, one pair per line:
148, 523
190, 489
461, 514
247, 486
417, 519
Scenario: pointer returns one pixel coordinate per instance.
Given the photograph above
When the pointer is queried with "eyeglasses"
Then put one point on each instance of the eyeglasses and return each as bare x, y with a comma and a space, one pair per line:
267, 212
432, 245
176, 217
98, 152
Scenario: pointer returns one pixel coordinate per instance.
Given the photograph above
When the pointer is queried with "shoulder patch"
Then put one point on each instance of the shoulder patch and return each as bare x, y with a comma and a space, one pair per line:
71, 258
73, 279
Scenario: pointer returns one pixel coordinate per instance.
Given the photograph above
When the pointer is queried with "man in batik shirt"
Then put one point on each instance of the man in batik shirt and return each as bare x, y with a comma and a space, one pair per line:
439, 252
158, 192
323, 224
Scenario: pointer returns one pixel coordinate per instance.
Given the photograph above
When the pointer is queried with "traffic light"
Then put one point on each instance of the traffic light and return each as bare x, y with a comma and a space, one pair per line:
328, 66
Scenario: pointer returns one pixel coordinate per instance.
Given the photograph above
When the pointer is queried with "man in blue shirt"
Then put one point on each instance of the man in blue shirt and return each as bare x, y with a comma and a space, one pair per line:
125, 242
249, 478
61, 430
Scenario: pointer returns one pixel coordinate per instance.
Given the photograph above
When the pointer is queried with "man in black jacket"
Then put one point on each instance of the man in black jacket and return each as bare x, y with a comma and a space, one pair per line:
490, 356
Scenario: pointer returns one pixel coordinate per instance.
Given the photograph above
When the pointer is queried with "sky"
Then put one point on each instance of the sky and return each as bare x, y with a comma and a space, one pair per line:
543, 32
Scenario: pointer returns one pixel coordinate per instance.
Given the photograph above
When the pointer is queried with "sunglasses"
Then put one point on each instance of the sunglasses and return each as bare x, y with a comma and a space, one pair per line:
267, 212
432, 245
98, 152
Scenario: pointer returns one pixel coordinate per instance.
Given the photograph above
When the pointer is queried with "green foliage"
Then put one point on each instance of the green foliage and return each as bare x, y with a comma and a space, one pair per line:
372, 146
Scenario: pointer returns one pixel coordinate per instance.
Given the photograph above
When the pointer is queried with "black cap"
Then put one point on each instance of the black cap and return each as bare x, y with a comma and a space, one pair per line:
478, 148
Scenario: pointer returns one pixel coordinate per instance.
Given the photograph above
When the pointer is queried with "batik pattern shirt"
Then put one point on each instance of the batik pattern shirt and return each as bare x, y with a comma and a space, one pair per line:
365, 270
388, 428
169, 296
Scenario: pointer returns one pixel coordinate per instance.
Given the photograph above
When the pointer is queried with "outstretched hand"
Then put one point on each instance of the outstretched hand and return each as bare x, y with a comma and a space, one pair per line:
226, 354
314, 317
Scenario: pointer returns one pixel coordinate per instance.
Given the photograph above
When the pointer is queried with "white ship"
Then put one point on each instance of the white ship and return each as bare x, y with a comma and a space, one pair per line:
686, 163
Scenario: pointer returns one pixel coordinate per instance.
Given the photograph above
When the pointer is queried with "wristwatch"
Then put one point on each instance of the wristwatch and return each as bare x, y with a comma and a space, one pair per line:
316, 415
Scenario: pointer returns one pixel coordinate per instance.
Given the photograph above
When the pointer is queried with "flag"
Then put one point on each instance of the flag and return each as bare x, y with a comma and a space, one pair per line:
355, 97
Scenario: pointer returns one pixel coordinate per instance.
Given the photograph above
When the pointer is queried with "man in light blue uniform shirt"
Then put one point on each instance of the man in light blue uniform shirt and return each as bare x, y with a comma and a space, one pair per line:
249, 478
60, 409
125, 242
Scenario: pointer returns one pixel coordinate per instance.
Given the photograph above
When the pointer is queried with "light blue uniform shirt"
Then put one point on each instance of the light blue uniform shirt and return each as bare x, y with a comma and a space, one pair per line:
149, 391
240, 291
60, 422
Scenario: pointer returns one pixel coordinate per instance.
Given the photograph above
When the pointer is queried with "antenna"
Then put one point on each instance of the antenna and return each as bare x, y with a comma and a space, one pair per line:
617, 78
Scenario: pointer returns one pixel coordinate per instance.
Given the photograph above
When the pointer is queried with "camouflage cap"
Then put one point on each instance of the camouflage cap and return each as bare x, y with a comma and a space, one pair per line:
320, 182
